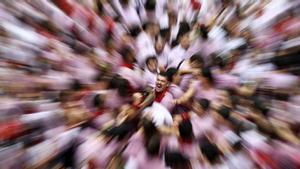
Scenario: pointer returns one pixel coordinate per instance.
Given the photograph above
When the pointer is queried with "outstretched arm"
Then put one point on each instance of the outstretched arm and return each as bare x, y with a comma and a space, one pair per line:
186, 96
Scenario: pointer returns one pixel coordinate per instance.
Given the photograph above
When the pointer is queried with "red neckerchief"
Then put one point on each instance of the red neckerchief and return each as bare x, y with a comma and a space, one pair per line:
99, 112
185, 141
265, 160
128, 65
109, 24
160, 95
185, 116
65, 6
195, 4
136, 107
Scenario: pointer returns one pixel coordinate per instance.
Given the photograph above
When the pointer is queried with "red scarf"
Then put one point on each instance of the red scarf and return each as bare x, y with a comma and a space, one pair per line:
128, 65
185, 141
160, 95
195, 4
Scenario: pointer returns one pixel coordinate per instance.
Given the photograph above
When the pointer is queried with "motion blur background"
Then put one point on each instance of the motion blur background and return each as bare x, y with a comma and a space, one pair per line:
72, 73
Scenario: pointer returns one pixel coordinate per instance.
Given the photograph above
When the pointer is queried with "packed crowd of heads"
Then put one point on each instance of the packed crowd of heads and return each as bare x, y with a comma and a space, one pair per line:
150, 84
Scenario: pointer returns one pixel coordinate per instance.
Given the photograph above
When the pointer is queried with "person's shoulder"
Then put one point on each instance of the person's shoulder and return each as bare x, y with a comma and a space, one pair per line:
169, 93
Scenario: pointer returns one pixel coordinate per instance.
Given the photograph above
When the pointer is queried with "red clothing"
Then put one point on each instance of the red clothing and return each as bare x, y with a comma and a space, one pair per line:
64, 5
195, 4
128, 65
160, 95
10, 129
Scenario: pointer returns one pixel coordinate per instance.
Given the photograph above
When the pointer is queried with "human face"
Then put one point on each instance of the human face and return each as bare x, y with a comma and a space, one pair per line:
195, 64
185, 41
152, 65
153, 30
131, 58
218, 118
161, 83
176, 78
197, 108
159, 46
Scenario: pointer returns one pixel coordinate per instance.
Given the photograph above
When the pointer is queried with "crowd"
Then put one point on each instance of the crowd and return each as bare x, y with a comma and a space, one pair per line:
150, 84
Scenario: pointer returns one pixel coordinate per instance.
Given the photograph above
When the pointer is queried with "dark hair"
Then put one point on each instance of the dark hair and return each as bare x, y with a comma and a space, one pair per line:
170, 73
150, 5
149, 129
206, 73
234, 100
224, 111
210, 151
125, 52
184, 28
260, 105
176, 160
102, 78
220, 62
204, 104
76, 85
134, 31
99, 7
114, 81
124, 2
153, 146
121, 84
197, 58
204, 31
164, 74
120, 132
98, 100
150, 58
186, 130
123, 87
164, 32
174, 43
148, 24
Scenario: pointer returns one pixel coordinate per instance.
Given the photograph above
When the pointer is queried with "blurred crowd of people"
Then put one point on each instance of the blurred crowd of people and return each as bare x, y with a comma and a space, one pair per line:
150, 84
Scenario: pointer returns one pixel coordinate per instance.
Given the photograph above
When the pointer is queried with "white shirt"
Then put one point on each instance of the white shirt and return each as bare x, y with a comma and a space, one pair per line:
150, 78
163, 56
161, 14
177, 55
25, 34
130, 16
145, 45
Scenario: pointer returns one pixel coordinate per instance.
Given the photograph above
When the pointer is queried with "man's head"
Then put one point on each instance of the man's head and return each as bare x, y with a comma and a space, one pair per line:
99, 100
124, 2
159, 45
222, 114
152, 29
196, 61
173, 75
128, 55
152, 63
176, 160
204, 32
185, 41
153, 146
186, 130
183, 35
201, 106
162, 82
206, 76
210, 151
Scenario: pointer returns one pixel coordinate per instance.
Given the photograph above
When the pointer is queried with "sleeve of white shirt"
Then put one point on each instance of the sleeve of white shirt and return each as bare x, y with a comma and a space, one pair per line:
131, 163
24, 34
